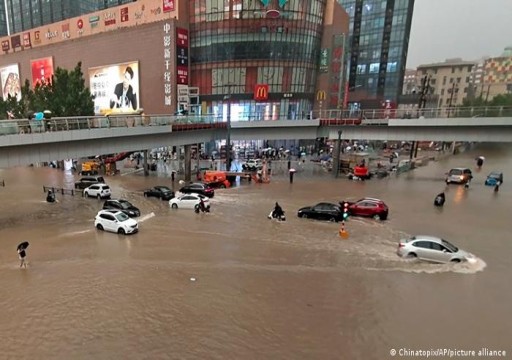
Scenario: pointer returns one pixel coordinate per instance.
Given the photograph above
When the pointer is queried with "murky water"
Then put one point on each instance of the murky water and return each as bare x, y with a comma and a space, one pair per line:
262, 290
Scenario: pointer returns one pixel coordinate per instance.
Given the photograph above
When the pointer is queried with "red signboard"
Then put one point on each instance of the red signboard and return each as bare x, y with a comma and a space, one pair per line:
6, 45
260, 92
124, 14
168, 5
26, 40
182, 37
42, 70
16, 41
182, 78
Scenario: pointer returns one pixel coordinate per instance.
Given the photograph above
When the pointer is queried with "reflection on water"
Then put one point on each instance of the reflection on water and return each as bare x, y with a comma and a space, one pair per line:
263, 289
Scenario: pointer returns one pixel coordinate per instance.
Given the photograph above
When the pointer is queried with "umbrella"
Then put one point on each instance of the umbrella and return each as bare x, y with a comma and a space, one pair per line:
23, 245
481, 157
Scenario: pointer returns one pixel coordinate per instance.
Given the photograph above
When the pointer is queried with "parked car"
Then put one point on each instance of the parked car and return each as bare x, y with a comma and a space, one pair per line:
322, 211
188, 201
459, 176
122, 205
198, 188
87, 181
493, 178
252, 165
431, 248
115, 221
100, 191
161, 192
368, 207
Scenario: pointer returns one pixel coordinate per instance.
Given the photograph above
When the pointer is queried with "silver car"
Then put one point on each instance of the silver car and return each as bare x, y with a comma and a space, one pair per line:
431, 248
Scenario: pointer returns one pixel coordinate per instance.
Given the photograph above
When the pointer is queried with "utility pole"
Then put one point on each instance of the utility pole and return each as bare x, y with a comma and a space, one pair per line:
228, 137
422, 103
338, 160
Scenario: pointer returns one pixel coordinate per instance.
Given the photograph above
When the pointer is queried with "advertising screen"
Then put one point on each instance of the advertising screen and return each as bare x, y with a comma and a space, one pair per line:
10, 80
115, 88
42, 70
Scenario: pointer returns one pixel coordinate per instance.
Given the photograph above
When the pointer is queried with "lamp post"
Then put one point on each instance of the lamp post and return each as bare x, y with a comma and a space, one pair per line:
338, 155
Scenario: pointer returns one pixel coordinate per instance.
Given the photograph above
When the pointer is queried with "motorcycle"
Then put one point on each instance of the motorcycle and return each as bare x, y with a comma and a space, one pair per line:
280, 217
204, 209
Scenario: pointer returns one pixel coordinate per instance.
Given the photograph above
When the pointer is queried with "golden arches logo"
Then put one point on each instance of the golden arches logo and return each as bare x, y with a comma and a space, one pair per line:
320, 95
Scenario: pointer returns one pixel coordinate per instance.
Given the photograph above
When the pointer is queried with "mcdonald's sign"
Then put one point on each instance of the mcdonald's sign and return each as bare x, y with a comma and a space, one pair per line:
320, 95
261, 92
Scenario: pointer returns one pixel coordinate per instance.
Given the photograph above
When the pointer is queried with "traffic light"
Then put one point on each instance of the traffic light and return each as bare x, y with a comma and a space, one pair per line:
345, 211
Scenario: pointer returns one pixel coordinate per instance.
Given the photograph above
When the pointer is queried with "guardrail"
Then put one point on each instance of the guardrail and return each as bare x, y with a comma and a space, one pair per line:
62, 191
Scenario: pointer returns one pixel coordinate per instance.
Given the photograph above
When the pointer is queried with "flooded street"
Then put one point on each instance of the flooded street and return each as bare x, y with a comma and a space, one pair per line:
262, 289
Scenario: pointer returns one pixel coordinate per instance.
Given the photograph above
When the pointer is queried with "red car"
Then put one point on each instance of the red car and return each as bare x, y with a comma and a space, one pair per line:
367, 207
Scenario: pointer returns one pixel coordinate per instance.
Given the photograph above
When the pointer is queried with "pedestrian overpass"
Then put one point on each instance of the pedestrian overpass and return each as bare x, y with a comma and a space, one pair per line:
24, 142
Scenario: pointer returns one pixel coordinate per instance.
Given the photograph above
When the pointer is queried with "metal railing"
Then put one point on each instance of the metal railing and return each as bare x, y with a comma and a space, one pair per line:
24, 126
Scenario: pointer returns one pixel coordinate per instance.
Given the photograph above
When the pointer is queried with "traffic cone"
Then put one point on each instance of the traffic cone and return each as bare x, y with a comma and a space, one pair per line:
343, 233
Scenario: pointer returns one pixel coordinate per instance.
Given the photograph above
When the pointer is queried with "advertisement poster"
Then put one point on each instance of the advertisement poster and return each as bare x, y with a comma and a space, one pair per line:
115, 88
10, 80
42, 70
168, 5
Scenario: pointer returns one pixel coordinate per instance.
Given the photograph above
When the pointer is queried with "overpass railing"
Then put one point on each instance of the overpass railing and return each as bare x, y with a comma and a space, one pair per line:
25, 126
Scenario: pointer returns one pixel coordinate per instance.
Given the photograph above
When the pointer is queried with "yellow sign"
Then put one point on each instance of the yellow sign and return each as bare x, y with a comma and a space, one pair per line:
320, 95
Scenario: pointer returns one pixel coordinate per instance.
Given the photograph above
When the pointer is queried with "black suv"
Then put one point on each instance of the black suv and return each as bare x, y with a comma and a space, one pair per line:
122, 205
198, 188
161, 192
87, 181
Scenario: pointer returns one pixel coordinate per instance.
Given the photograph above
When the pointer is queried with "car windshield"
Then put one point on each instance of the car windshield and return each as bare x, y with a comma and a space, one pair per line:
121, 216
125, 204
450, 247
494, 175
164, 189
455, 172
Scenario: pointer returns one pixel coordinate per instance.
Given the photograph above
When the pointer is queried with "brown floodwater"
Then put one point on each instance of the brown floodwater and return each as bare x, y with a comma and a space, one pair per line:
262, 289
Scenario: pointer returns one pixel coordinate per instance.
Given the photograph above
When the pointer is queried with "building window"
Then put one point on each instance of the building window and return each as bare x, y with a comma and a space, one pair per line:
374, 68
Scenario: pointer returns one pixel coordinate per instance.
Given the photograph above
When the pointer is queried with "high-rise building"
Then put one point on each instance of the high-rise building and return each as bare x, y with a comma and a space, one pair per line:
18, 15
497, 76
379, 40
450, 80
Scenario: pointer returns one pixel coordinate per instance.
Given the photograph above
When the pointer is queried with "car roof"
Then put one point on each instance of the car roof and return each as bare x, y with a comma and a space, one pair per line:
109, 211
460, 168
371, 199
427, 238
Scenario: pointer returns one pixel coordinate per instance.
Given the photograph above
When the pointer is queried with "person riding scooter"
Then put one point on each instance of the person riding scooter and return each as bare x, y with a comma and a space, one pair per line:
201, 207
440, 199
277, 213
50, 197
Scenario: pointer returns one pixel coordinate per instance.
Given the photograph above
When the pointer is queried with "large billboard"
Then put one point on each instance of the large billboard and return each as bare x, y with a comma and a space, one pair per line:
10, 80
42, 70
115, 88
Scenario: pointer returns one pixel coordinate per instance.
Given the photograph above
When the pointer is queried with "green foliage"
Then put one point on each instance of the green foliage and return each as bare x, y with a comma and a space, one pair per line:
65, 95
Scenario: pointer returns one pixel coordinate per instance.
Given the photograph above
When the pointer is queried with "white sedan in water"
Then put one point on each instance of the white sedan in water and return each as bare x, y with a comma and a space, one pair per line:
188, 201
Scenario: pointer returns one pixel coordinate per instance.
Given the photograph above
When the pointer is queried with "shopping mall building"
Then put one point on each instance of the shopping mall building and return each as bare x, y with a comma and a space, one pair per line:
264, 59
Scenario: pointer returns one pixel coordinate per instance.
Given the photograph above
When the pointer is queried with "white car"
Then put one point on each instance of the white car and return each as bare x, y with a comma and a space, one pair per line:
115, 221
188, 201
101, 191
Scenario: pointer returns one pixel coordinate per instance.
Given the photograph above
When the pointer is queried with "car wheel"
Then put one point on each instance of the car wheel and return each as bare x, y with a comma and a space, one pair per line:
305, 216
333, 219
376, 217
447, 181
411, 255
222, 186
86, 194
145, 195
455, 261
99, 227
98, 196
121, 231
174, 206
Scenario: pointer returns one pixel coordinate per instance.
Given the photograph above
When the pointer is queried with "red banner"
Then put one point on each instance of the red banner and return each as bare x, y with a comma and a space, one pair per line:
260, 92
182, 37
168, 5
42, 70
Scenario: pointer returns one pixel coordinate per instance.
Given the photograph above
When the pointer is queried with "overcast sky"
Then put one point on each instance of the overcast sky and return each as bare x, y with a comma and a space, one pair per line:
468, 29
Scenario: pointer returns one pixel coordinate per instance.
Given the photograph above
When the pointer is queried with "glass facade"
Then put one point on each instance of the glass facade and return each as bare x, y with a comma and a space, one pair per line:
28, 14
379, 39
238, 44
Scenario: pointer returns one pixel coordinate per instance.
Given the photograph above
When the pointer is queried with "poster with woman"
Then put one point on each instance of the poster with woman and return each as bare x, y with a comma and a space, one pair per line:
10, 81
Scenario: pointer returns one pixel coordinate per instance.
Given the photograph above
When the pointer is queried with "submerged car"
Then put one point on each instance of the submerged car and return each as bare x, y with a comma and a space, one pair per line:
431, 248
115, 221
161, 192
494, 178
188, 201
322, 211
368, 207
459, 176
122, 205
100, 191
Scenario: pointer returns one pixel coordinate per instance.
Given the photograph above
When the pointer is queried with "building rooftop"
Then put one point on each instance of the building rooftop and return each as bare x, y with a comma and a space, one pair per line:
448, 63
